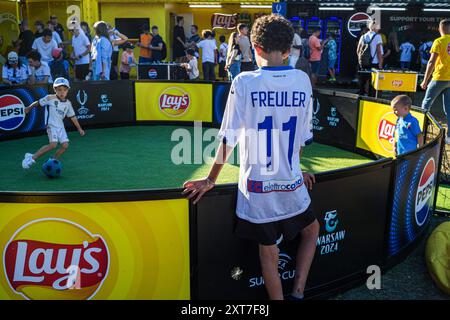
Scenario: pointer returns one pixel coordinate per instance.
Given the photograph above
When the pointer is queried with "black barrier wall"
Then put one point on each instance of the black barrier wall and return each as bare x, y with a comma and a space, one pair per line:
369, 215
351, 237
95, 104
102, 102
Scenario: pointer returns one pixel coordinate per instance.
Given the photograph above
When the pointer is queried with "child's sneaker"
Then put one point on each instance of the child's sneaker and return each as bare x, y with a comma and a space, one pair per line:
27, 161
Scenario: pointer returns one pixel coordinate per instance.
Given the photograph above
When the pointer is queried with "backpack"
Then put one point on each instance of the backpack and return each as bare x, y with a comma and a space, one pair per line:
303, 64
306, 49
364, 55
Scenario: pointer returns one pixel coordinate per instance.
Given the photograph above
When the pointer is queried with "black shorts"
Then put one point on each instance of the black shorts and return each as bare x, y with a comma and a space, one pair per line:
268, 233
81, 71
222, 72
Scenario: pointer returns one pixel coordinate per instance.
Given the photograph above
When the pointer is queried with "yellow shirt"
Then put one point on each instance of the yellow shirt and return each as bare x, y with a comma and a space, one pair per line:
441, 46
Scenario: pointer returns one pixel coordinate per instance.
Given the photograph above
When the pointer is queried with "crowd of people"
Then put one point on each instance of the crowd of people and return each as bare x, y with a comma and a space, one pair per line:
44, 55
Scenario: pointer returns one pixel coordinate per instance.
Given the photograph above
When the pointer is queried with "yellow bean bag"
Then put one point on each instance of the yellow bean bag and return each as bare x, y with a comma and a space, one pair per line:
437, 254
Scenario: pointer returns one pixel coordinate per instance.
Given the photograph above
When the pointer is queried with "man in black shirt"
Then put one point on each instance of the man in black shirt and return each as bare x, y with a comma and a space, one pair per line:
156, 45
39, 25
178, 40
58, 27
26, 39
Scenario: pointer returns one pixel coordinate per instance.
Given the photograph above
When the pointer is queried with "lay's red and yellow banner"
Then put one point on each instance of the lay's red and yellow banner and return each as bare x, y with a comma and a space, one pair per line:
376, 127
173, 101
117, 250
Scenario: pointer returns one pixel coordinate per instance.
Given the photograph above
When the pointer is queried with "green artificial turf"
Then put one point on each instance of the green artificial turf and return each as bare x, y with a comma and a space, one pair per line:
137, 157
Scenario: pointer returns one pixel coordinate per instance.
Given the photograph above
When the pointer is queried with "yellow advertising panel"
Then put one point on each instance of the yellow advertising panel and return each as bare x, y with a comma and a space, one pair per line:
173, 101
394, 81
376, 126
110, 250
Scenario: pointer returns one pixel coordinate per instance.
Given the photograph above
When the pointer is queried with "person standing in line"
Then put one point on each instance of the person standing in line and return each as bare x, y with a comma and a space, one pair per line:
81, 53
116, 39
391, 57
331, 45
157, 46
223, 49
295, 47
245, 47
145, 40
178, 40
87, 31
209, 55
439, 67
315, 47
101, 50
406, 50
372, 39
424, 54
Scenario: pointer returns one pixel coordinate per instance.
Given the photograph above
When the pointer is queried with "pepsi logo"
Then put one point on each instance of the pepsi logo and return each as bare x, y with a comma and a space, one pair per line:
425, 191
152, 73
356, 22
12, 112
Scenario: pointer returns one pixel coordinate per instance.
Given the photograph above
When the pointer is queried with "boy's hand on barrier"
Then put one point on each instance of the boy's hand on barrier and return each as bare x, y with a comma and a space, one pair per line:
309, 180
197, 188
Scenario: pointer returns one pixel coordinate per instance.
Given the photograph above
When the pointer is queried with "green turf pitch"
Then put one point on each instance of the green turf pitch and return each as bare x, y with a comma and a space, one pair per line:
136, 157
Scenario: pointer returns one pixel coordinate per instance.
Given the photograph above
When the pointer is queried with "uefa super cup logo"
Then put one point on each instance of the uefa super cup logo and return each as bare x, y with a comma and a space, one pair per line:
82, 98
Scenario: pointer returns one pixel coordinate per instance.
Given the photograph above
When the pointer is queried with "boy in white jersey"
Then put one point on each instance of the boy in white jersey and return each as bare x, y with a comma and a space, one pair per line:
269, 113
57, 107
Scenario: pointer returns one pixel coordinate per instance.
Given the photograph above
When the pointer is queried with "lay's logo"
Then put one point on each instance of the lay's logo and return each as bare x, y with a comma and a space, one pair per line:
174, 102
397, 83
74, 267
12, 112
386, 131
425, 190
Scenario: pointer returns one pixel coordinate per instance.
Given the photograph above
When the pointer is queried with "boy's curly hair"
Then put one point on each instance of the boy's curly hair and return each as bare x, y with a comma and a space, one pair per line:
272, 33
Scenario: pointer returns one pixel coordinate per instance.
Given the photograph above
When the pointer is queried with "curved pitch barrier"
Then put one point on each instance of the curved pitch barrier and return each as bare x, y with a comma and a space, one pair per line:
153, 244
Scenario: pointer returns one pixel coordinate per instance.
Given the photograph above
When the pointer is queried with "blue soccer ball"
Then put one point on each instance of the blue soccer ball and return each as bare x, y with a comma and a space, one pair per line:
52, 168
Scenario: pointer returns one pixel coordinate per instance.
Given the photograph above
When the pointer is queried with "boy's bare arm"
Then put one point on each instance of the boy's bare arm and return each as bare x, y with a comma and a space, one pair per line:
31, 106
197, 188
420, 139
77, 125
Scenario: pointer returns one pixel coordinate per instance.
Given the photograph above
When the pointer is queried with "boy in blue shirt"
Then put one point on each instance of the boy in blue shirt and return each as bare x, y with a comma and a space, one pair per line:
406, 50
407, 129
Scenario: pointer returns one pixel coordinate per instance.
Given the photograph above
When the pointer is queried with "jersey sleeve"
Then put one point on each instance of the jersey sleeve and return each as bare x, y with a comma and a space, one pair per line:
306, 131
44, 101
415, 127
233, 118
70, 111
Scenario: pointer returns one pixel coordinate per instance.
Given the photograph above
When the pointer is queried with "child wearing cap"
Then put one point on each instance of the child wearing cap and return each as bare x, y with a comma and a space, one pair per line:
14, 72
192, 66
127, 61
57, 108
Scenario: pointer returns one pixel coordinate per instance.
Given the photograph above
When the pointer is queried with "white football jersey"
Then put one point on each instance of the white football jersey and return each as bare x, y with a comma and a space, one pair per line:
269, 112
56, 110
